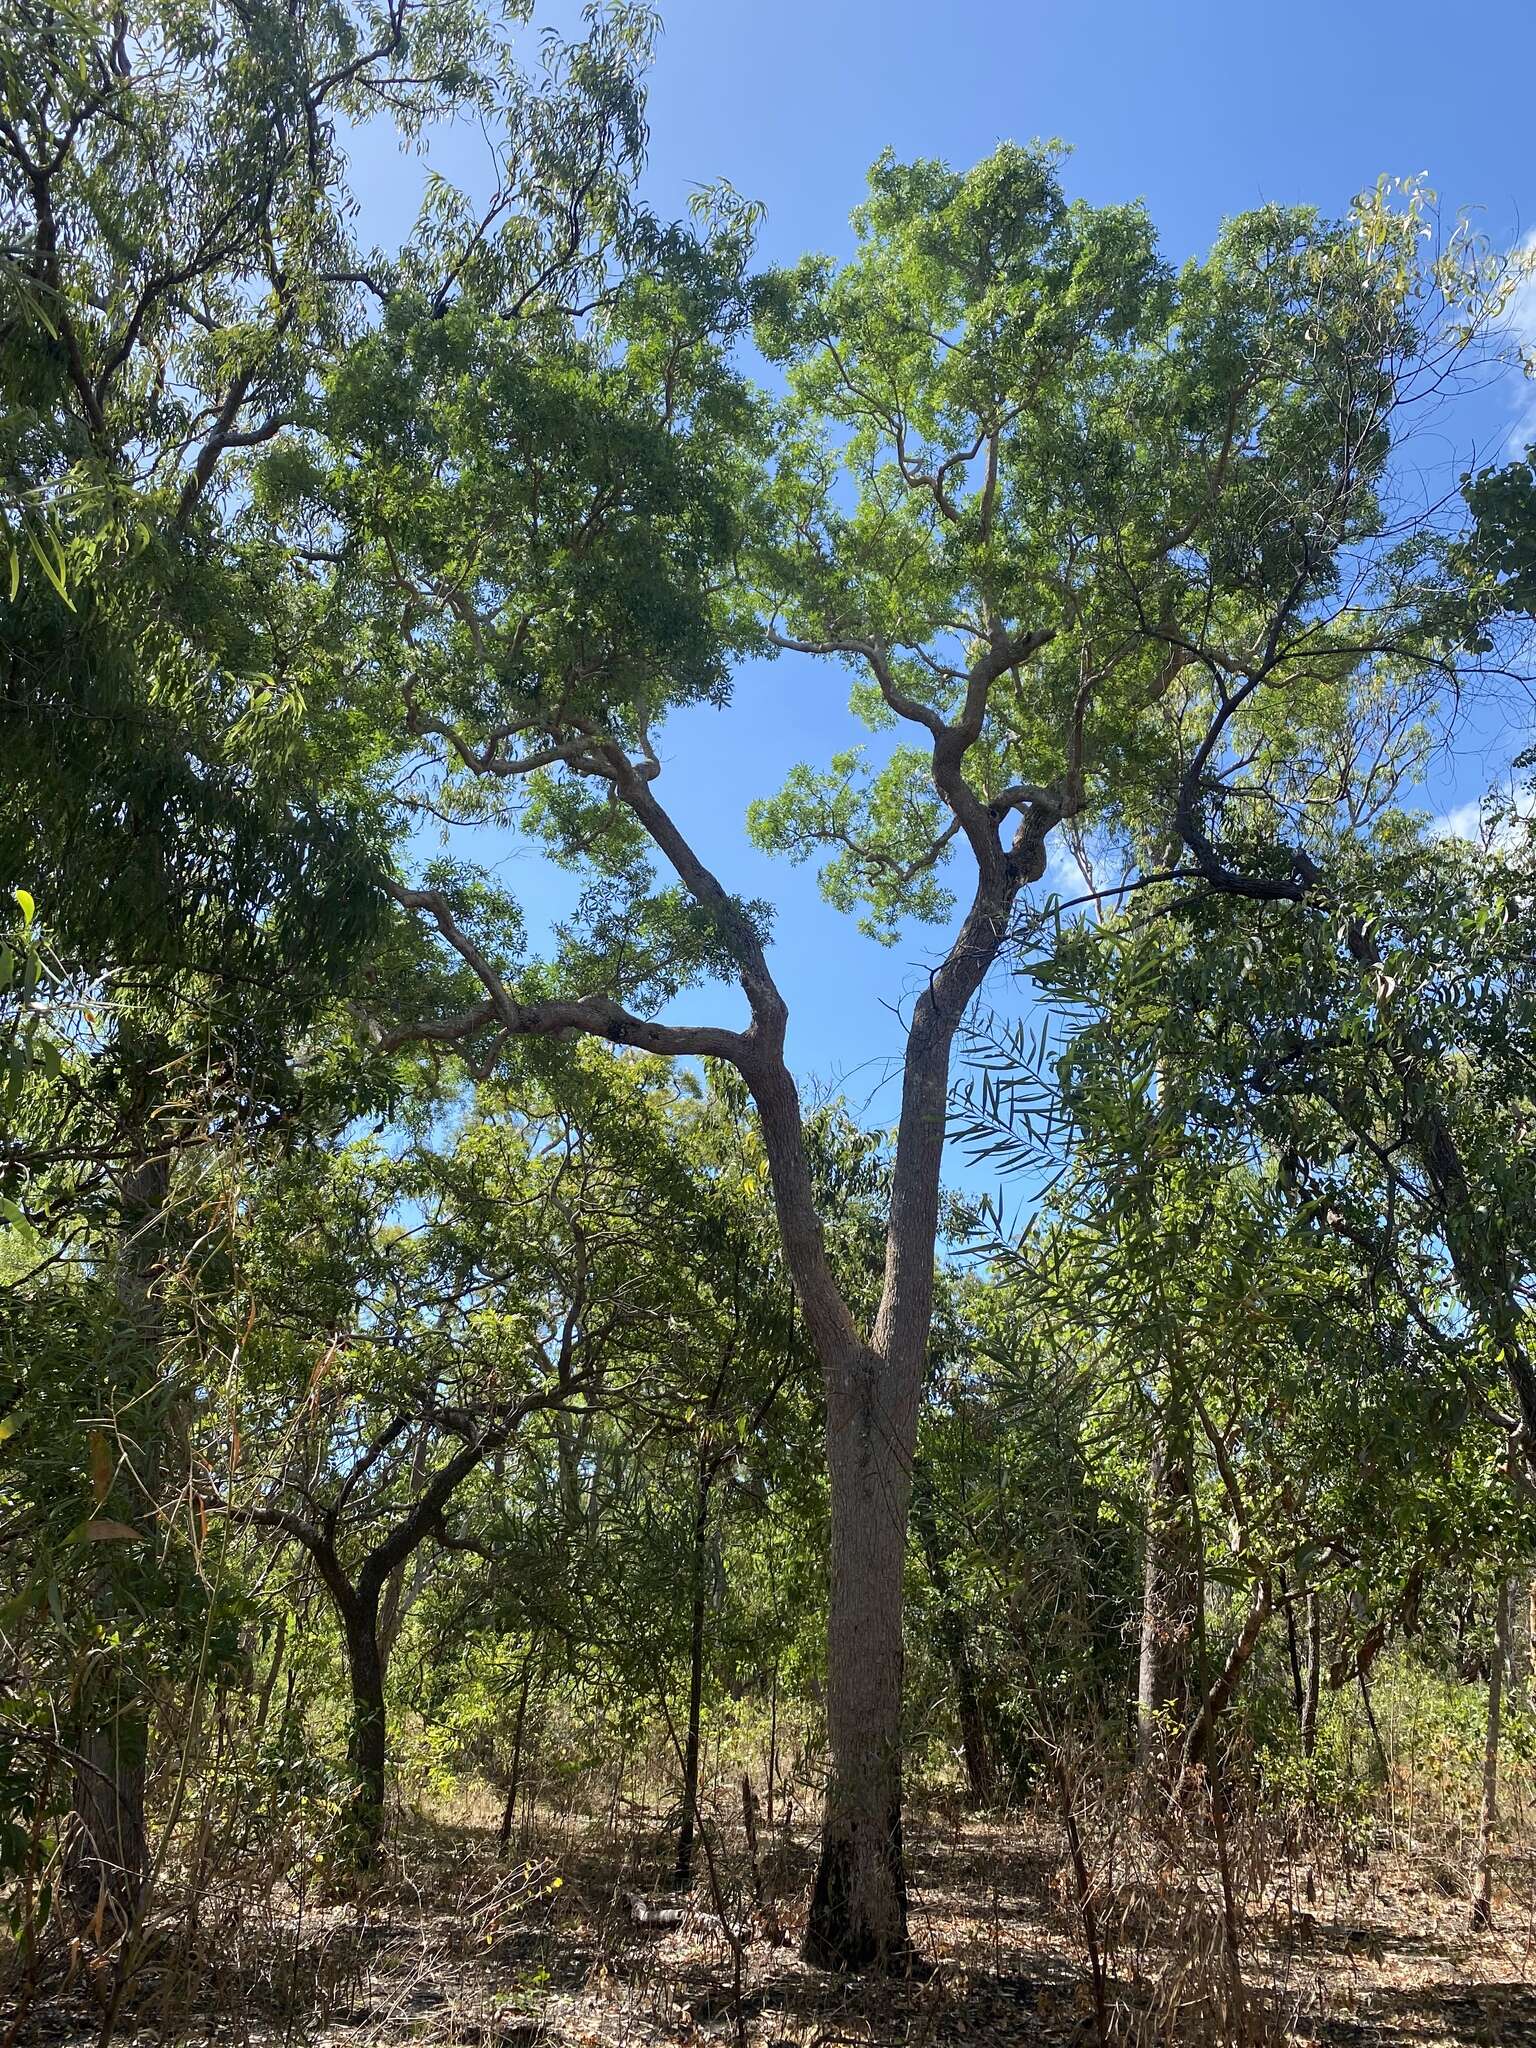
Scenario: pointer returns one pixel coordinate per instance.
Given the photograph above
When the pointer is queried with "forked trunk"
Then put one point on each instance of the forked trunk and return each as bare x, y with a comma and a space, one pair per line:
858, 1911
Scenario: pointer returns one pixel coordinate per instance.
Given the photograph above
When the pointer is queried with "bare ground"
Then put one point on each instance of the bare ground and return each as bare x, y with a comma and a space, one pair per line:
455, 1947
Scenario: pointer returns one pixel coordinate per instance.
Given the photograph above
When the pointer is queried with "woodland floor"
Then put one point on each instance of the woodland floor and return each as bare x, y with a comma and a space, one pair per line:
455, 1947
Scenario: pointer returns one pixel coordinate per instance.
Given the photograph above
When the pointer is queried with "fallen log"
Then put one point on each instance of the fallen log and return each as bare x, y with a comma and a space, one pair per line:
644, 1912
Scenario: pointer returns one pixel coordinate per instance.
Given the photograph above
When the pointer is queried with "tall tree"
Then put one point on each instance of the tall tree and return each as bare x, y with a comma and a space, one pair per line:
198, 838
1109, 545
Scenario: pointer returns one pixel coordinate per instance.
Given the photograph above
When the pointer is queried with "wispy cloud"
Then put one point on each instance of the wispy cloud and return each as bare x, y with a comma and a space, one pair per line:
1484, 820
1465, 821
1520, 322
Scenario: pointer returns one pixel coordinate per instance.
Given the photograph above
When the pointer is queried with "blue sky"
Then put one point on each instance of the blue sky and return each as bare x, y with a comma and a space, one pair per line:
1200, 108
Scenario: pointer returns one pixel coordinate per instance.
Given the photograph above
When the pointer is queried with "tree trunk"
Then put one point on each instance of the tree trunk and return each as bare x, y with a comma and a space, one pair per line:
1219, 1697
107, 1842
1488, 1819
1293, 1654
367, 1740
858, 1910
264, 1698
1314, 1679
514, 1785
107, 1851
773, 1739
682, 1875
974, 1743
1167, 1606
395, 1604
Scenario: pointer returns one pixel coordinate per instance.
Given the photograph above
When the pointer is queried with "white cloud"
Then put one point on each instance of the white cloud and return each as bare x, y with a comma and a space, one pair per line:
1484, 821
1520, 325
1465, 821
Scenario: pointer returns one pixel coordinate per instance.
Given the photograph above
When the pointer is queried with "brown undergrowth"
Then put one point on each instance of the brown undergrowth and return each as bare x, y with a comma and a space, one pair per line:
451, 1945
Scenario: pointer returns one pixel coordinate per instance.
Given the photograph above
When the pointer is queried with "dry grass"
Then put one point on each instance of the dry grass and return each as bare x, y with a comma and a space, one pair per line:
451, 1946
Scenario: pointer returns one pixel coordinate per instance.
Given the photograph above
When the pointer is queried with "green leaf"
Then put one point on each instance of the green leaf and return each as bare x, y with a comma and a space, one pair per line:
53, 570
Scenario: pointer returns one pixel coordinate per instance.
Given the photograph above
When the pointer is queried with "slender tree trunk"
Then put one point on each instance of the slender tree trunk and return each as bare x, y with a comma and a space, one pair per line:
1488, 1819
1314, 1678
682, 1874
858, 1906
1383, 1762
858, 1909
106, 1851
395, 1604
275, 1665
975, 1744
1292, 1652
515, 1780
1167, 1605
367, 1746
1218, 1698
773, 1739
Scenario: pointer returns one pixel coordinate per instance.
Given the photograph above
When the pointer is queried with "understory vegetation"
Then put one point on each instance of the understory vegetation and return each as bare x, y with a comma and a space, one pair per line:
524, 1515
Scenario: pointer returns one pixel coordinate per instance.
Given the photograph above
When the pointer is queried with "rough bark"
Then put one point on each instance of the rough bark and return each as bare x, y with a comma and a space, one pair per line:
1488, 1817
1292, 1653
107, 1852
858, 1910
358, 1599
773, 1740
368, 1737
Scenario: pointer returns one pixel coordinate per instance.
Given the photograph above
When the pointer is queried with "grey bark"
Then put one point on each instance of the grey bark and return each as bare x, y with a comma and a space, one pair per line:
858, 1911
107, 1850
873, 1384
